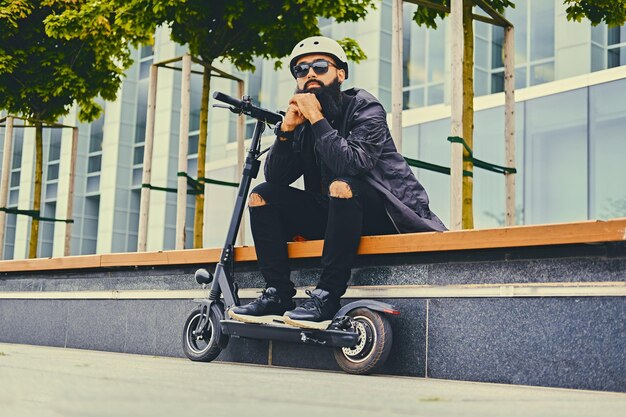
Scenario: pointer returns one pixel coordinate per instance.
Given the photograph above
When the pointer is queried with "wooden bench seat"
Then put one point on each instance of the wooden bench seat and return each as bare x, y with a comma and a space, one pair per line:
505, 237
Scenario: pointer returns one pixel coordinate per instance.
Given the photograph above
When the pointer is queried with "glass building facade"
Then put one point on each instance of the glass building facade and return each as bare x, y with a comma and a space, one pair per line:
570, 131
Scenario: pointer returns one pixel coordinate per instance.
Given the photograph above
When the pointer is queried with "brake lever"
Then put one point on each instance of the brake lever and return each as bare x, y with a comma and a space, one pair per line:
231, 108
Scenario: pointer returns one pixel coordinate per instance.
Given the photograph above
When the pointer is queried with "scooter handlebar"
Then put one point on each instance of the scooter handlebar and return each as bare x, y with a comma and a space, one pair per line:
246, 107
227, 99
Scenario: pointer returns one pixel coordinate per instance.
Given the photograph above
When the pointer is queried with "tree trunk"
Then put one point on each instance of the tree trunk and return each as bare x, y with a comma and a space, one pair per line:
198, 220
468, 113
34, 226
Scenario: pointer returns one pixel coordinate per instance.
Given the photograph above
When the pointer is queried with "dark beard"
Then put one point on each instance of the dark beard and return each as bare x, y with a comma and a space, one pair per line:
329, 97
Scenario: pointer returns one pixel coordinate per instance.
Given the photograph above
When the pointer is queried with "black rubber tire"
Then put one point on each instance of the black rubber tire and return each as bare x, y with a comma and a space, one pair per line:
202, 351
374, 343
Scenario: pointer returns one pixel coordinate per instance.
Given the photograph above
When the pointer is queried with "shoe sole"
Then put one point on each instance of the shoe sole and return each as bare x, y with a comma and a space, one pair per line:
270, 319
304, 324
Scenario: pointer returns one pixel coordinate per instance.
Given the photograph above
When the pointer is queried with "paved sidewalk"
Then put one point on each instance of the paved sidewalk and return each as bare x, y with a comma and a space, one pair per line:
44, 381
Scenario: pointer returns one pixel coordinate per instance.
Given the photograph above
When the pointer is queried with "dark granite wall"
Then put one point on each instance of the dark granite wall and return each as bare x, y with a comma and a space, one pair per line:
574, 342
558, 342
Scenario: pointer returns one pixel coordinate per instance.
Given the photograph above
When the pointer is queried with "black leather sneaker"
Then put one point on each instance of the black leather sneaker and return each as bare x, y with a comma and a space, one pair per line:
267, 309
315, 313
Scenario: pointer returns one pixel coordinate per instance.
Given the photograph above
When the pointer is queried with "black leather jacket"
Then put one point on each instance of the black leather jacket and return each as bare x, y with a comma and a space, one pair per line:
359, 145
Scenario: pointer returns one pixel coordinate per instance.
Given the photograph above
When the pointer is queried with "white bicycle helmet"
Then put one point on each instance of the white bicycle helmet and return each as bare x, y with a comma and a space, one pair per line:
319, 45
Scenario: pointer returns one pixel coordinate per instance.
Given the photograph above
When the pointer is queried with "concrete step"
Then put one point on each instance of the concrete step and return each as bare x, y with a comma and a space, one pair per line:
550, 316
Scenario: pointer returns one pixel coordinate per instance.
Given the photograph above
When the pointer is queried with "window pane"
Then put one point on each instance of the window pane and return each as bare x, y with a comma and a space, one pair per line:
93, 184
608, 147
195, 101
496, 47
18, 143
481, 53
541, 73
519, 17
541, 29
142, 109
193, 145
144, 69
616, 35
435, 94
555, 173
147, 50
138, 155
598, 33
497, 82
616, 57
96, 135
436, 65
51, 191
520, 78
192, 167
409, 141
54, 151
434, 148
414, 98
94, 163
53, 171
15, 179
137, 176
597, 58
481, 82
13, 197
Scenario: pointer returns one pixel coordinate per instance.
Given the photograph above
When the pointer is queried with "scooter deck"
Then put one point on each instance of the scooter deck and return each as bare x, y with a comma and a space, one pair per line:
287, 333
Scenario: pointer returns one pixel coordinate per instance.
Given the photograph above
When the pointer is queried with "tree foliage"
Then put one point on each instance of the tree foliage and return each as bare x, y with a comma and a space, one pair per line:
611, 12
43, 70
241, 30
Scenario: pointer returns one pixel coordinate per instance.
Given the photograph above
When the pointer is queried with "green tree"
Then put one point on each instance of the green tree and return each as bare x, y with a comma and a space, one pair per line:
44, 69
611, 12
241, 30
233, 30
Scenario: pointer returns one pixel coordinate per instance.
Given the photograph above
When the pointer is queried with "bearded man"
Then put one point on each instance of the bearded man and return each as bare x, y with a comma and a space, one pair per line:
355, 183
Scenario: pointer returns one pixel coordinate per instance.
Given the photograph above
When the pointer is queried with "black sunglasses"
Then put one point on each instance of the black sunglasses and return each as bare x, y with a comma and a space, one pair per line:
320, 67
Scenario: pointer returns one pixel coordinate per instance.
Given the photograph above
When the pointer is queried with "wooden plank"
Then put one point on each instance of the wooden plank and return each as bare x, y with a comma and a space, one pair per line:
504, 237
46, 264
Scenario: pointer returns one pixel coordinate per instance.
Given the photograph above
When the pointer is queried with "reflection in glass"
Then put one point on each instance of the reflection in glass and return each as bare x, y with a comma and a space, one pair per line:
93, 184
597, 58
556, 150
541, 29
96, 134
519, 17
520, 78
94, 163
616, 57
435, 94
142, 110
138, 155
53, 171
433, 147
607, 150
497, 82
616, 35
542, 73
497, 44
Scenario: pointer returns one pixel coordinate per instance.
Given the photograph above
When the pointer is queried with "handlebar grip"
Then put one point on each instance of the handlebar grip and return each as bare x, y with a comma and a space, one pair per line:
226, 99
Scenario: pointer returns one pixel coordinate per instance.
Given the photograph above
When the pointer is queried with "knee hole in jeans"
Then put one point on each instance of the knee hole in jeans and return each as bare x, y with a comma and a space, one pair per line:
256, 200
340, 189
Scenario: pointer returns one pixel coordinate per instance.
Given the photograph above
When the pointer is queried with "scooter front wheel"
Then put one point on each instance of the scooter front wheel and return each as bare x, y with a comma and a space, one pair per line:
202, 347
373, 345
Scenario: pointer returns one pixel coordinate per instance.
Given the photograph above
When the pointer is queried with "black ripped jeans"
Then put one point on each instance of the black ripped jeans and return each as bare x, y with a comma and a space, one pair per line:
290, 213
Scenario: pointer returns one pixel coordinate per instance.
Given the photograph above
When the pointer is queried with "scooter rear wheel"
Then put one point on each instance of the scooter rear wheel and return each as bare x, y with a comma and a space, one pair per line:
205, 347
373, 346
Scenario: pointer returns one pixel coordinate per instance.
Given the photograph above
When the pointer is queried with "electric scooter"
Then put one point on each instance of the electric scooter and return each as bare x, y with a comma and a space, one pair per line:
360, 332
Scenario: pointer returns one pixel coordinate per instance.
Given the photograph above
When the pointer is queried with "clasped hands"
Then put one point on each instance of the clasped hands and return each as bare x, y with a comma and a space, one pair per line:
302, 107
